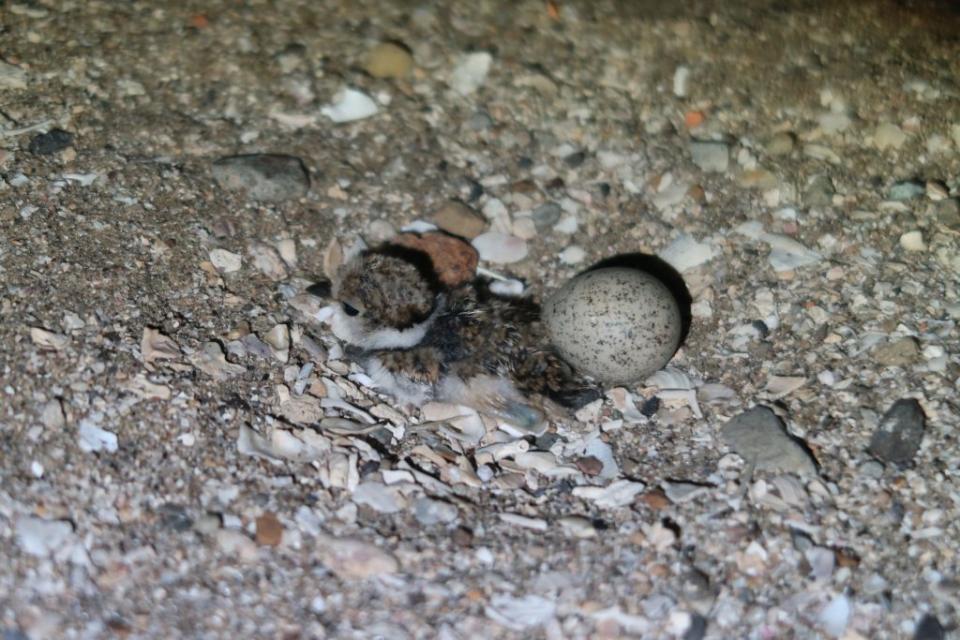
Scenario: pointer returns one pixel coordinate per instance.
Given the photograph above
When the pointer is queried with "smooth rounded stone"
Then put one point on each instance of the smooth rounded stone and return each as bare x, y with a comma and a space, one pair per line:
888, 136
782, 144
459, 219
263, 176
389, 60
429, 512
45, 144
471, 72
454, 260
757, 179
615, 324
948, 213
899, 353
898, 436
711, 156
907, 190
501, 248
349, 105
819, 192
913, 241
546, 215
480, 121
871, 469
572, 255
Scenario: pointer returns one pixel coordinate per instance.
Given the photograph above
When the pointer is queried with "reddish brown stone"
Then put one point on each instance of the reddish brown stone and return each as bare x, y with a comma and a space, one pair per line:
454, 260
269, 530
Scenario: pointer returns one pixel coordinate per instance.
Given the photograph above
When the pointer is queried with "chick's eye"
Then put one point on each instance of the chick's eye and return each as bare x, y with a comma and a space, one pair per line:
350, 311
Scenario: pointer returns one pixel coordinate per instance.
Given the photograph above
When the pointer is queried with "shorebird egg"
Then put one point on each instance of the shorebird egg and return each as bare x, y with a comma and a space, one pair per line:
616, 324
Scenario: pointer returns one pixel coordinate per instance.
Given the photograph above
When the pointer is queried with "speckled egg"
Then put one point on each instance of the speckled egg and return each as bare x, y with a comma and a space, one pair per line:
615, 324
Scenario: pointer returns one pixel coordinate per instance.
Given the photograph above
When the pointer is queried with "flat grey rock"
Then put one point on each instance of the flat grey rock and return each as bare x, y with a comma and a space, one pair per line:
263, 176
761, 438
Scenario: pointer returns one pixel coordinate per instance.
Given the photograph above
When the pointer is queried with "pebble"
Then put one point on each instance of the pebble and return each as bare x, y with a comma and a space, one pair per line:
898, 353
40, 537
913, 241
156, 346
521, 613
907, 190
821, 152
454, 260
681, 79
948, 213
267, 260
269, 530
761, 439
353, 559
500, 248
546, 215
429, 512
235, 543
686, 253
93, 439
52, 415
835, 617
53, 141
226, 261
819, 191
888, 136
615, 324
757, 179
572, 255
389, 60
619, 493
471, 72
577, 527
350, 105
211, 360
48, 339
898, 436
379, 497
782, 144
710, 156
12, 77
459, 219
262, 176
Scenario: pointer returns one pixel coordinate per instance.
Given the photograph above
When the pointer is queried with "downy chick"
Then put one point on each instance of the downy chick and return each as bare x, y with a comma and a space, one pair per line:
420, 341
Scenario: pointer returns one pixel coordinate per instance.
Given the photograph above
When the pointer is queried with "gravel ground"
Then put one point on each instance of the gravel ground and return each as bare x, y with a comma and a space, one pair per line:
186, 451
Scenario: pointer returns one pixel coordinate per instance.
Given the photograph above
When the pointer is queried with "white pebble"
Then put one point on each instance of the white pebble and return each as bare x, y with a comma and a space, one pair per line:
226, 261
501, 248
680, 81
913, 241
835, 616
685, 253
471, 72
349, 105
572, 255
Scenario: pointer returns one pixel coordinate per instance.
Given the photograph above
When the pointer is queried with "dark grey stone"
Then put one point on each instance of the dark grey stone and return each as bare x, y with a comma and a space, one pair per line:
929, 628
900, 432
45, 144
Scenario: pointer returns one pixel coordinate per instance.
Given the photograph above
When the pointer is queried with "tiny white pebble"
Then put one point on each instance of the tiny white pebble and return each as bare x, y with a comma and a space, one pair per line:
913, 241
572, 255
827, 378
187, 439
36, 469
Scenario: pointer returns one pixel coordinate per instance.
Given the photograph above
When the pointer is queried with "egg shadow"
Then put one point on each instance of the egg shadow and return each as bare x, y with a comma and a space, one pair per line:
663, 272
